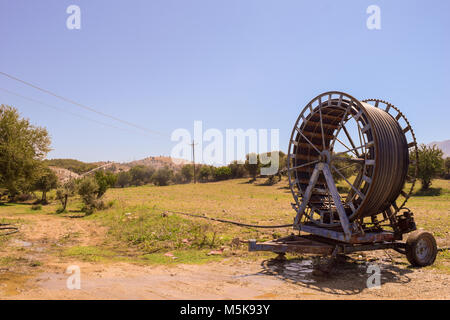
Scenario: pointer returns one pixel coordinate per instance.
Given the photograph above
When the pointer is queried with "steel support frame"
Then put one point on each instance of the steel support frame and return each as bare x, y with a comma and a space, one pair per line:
303, 245
346, 226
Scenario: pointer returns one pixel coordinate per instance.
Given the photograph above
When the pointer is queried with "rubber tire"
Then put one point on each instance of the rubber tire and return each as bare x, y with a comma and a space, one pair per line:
411, 244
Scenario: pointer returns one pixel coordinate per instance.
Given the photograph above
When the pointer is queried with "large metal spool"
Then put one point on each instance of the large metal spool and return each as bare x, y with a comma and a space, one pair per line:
371, 137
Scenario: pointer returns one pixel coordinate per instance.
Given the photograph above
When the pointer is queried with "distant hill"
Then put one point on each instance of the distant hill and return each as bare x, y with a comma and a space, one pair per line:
63, 174
72, 168
443, 145
158, 162
73, 165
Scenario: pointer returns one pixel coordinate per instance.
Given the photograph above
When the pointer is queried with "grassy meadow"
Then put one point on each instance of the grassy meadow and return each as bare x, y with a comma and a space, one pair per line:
139, 229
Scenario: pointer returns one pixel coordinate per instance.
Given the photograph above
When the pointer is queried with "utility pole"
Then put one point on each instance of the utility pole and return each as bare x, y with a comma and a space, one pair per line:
193, 159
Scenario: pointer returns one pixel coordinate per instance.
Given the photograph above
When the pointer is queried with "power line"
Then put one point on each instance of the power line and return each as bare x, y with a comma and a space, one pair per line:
60, 109
81, 105
193, 159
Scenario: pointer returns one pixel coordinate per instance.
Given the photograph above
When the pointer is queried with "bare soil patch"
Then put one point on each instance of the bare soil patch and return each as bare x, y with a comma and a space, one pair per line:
34, 268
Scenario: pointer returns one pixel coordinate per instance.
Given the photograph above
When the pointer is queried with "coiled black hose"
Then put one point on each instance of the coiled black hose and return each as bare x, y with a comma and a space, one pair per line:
392, 161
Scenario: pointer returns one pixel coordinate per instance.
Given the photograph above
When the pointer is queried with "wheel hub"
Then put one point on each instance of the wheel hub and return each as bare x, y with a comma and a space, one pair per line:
423, 249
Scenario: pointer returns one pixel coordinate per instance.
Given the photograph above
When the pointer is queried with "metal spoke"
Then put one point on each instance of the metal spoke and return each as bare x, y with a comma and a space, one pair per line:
321, 124
304, 137
303, 165
351, 194
351, 185
360, 137
363, 146
340, 126
355, 160
354, 152
349, 166
350, 139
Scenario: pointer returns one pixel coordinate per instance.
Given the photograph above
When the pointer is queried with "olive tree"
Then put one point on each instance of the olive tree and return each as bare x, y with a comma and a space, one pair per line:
430, 164
162, 176
46, 182
22, 149
87, 189
188, 172
64, 192
447, 165
252, 165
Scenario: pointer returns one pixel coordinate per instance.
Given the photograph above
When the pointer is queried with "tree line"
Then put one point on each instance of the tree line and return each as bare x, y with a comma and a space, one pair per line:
141, 175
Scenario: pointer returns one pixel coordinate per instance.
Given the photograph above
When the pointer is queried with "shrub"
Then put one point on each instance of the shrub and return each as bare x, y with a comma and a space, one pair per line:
64, 193
141, 175
271, 180
187, 171
177, 178
222, 173
36, 207
162, 176
123, 179
252, 165
447, 167
22, 197
431, 164
104, 181
204, 173
237, 170
87, 189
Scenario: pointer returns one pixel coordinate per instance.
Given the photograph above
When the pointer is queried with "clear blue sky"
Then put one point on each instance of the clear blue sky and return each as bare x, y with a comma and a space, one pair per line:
232, 64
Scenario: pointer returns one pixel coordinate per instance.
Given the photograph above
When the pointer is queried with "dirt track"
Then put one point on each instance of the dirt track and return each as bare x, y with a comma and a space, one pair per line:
231, 278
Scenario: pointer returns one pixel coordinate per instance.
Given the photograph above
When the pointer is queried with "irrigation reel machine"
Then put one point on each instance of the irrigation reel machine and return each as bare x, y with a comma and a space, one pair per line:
333, 134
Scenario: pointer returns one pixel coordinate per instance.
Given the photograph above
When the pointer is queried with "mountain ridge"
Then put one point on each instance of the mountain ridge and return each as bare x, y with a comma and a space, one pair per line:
443, 145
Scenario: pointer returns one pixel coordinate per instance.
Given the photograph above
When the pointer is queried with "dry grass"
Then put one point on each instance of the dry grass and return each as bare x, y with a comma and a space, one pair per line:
136, 219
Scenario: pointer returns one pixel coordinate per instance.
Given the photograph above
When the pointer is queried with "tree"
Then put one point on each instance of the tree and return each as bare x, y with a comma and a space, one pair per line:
123, 179
281, 165
104, 181
222, 173
177, 178
204, 173
87, 189
46, 182
252, 165
237, 169
22, 149
162, 176
188, 172
65, 192
141, 175
430, 164
447, 165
